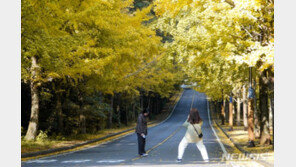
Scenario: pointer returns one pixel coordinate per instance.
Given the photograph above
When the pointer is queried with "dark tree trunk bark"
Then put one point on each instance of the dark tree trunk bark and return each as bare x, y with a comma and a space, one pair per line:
126, 115
110, 115
271, 101
256, 116
82, 119
238, 110
245, 108
60, 114
265, 135
226, 110
142, 101
223, 112
158, 105
251, 121
217, 109
118, 115
134, 112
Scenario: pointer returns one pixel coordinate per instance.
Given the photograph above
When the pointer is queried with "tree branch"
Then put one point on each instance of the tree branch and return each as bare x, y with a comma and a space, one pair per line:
141, 69
230, 2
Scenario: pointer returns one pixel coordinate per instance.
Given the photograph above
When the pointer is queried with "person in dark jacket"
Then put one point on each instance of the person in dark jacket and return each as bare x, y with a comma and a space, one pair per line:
141, 131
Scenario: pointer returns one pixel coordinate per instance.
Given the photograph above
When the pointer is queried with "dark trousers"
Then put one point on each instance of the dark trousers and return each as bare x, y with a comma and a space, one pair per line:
141, 144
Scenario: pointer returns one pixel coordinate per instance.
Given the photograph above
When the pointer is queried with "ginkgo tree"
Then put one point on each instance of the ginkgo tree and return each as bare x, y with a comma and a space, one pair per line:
46, 51
238, 33
96, 42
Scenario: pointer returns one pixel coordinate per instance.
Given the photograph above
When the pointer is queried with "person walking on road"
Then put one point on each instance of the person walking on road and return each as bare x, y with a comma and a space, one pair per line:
193, 135
141, 131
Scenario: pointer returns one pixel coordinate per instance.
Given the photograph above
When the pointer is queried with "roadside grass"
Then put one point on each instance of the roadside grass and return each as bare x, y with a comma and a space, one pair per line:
32, 146
57, 142
229, 146
240, 136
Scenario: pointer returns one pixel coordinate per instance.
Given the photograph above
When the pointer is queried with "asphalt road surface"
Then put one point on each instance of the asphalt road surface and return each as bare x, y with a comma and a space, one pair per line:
161, 144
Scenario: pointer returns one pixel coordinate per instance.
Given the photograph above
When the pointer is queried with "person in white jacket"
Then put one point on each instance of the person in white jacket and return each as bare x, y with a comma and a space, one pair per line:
193, 135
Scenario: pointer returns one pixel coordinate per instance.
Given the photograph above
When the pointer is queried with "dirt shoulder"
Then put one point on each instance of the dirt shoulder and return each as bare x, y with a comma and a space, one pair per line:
236, 141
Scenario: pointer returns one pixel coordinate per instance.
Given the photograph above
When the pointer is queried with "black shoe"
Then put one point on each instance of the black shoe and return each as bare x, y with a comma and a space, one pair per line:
179, 160
251, 144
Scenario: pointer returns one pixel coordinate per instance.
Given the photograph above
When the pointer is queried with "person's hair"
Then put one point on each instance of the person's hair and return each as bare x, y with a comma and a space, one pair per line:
194, 117
145, 110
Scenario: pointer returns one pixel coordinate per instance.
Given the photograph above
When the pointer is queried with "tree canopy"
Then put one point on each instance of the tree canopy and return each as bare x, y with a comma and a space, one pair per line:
82, 52
218, 40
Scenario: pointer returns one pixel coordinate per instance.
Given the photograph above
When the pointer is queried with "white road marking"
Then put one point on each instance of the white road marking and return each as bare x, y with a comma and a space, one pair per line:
110, 161
218, 139
76, 161
42, 161
233, 164
131, 144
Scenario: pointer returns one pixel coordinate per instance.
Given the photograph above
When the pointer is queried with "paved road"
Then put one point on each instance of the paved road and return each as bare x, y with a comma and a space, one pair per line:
162, 144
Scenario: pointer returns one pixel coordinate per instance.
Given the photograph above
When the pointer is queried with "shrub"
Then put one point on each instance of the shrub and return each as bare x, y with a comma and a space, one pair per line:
42, 136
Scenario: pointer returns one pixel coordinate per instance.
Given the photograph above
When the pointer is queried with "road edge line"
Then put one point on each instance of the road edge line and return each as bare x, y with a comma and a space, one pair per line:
210, 121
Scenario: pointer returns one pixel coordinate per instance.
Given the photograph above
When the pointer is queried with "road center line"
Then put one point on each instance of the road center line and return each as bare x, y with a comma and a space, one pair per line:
169, 135
160, 143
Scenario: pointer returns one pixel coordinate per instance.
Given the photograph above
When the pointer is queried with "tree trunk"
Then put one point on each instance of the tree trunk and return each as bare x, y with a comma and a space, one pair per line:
217, 109
256, 116
126, 115
134, 112
223, 112
226, 110
118, 115
82, 123
142, 101
33, 124
230, 115
245, 109
271, 101
238, 103
82, 126
265, 135
270, 114
154, 105
149, 103
157, 106
110, 115
251, 122
251, 127
60, 114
